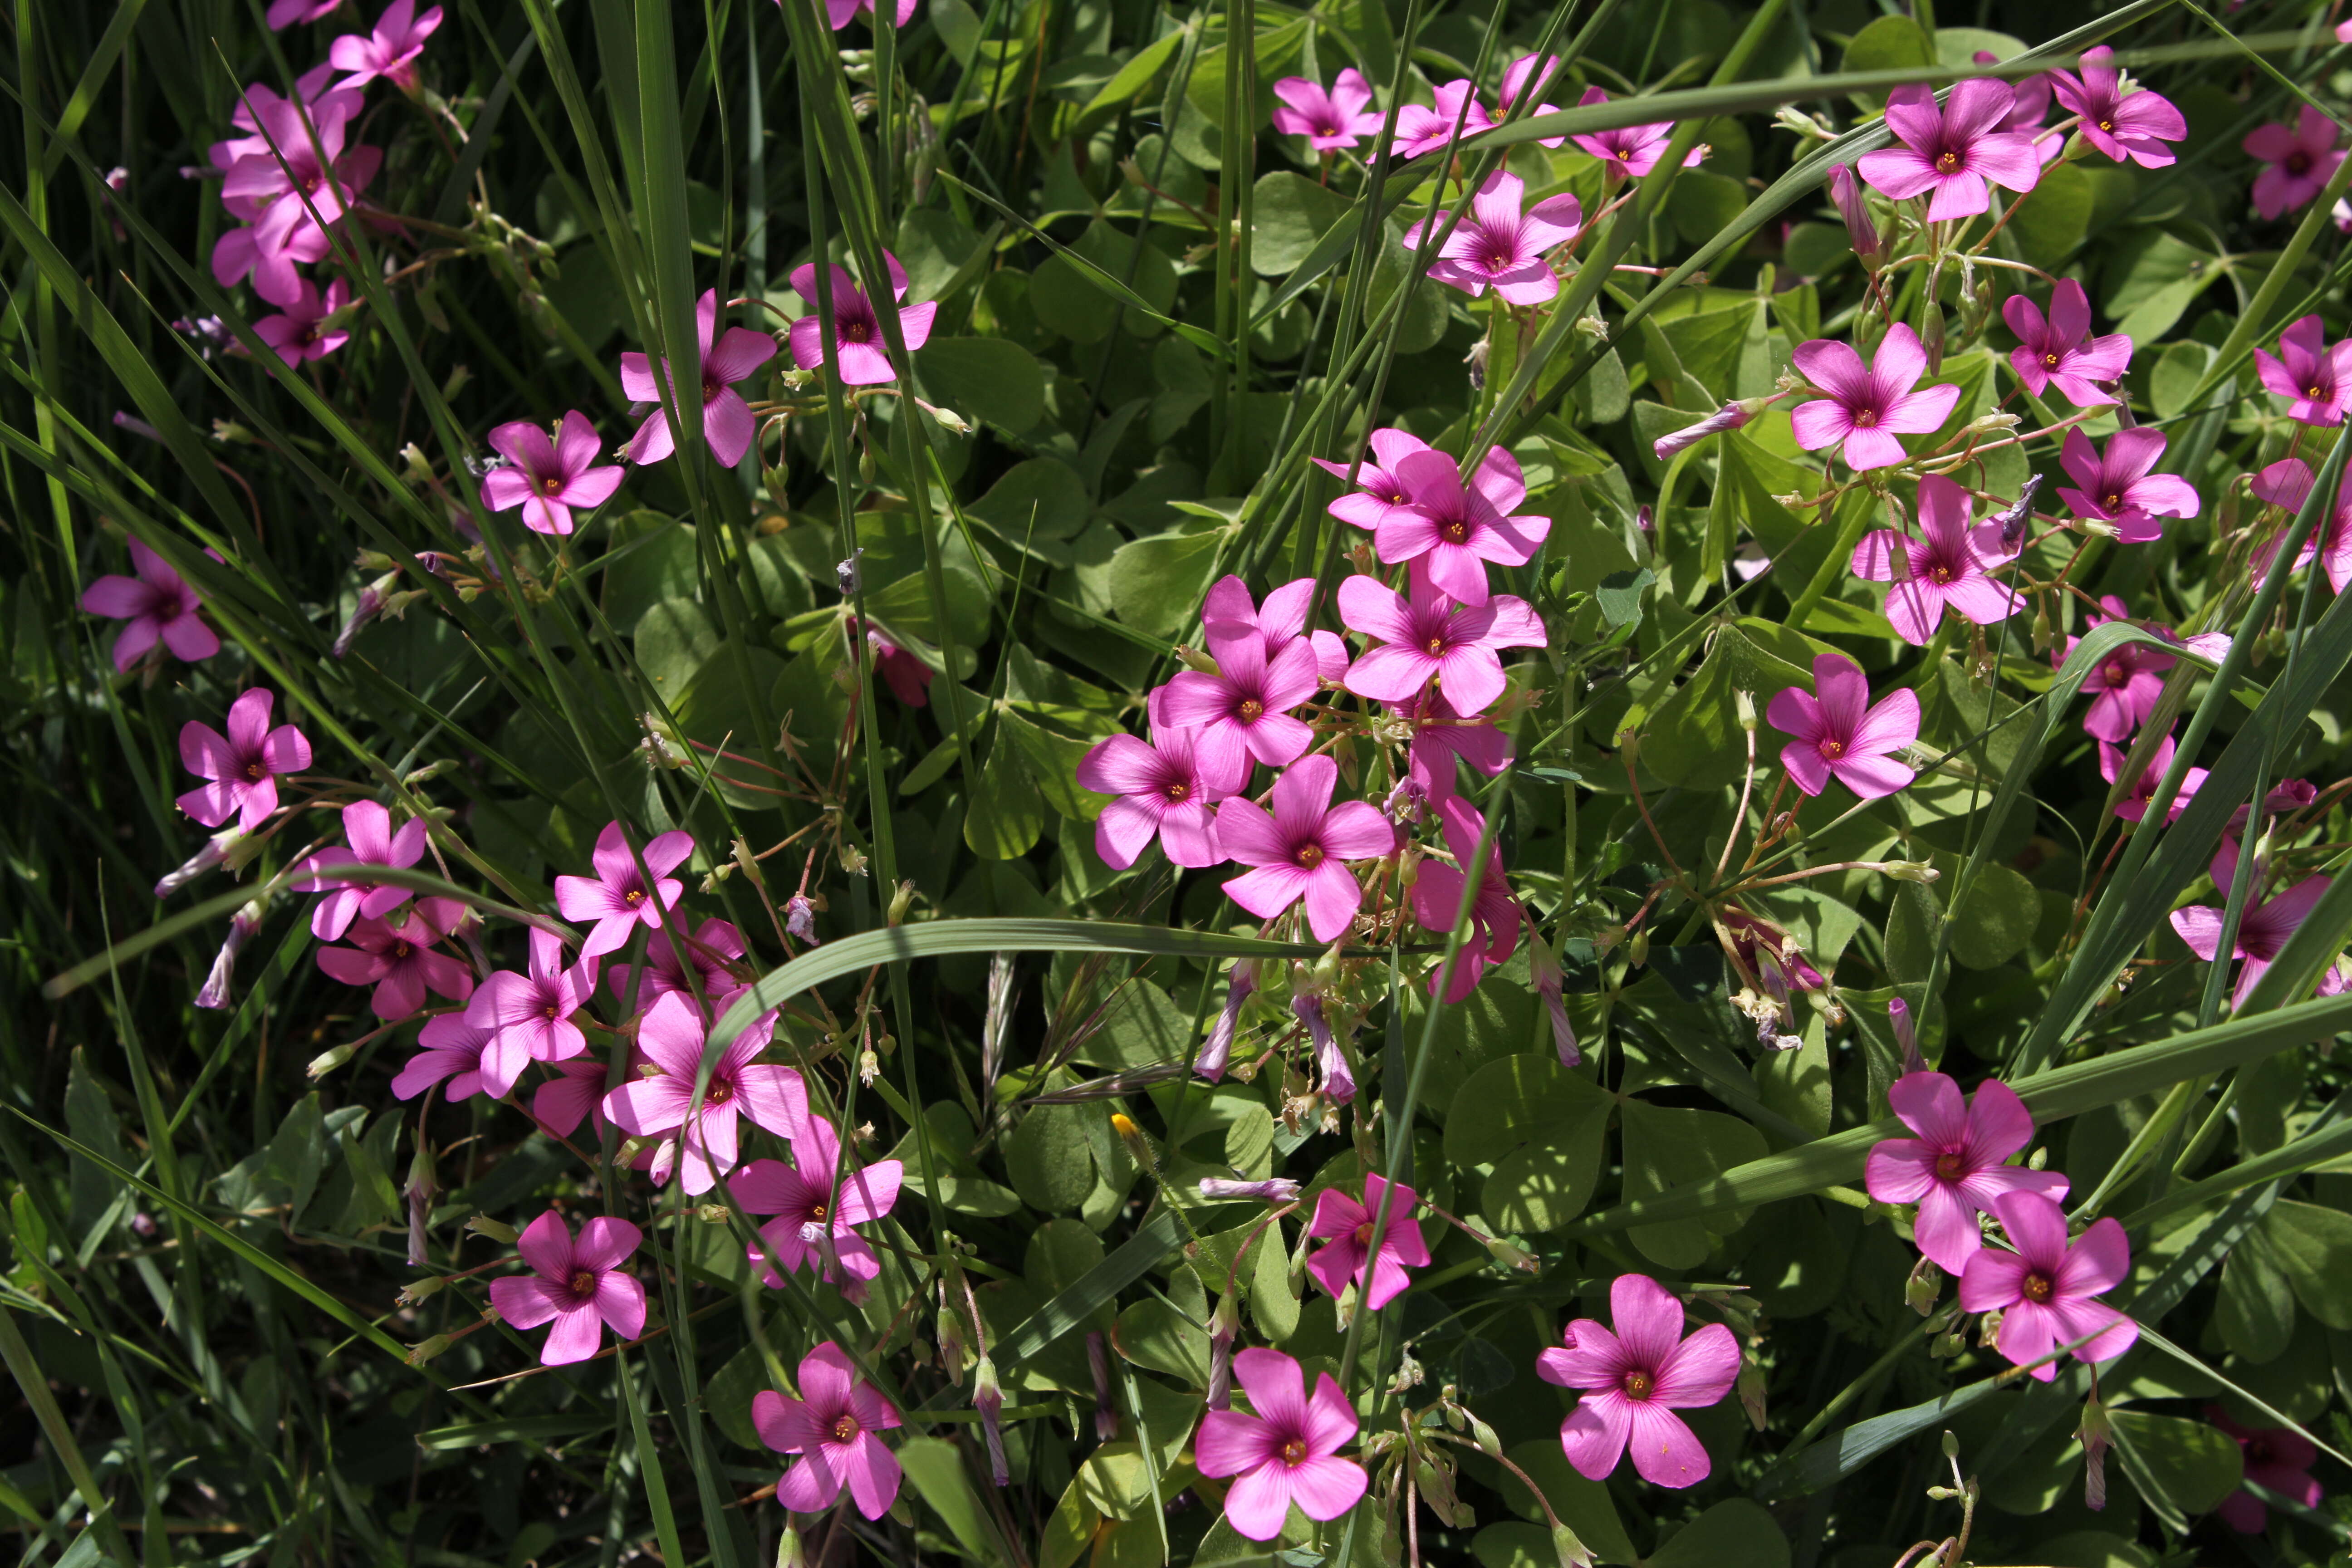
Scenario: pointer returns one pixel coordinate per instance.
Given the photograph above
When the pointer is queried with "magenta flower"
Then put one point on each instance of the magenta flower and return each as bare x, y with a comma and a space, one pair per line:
1378, 492
840, 12
399, 959
2302, 160
1500, 247
832, 1427
1545, 73
1453, 530
2062, 349
859, 347
1350, 1257
578, 1287
350, 897
1159, 794
1441, 737
1495, 915
1327, 120
1835, 737
159, 606
1426, 129
1227, 610
284, 14
2047, 1291
534, 1010
572, 1095
1953, 151
242, 766
616, 897
2134, 806
671, 1036
1243, 711
1869, 406
473, 1060
1299, 850
1633, 1380
816, 1202
1846, 192
726, 422
2125, 688
1286, 1453
2287, 483
296, 181
709, 948
271, 254
1631, 149
1949, 567
547, 478
2262, 928
1429, 638
2276, 1459
390, 51
1957, 1166
2314, 376
300, 333
2117, 487
2133, 125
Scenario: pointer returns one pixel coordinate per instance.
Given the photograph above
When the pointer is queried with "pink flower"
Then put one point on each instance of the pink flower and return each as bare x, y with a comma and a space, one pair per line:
1227, 610
299, 332
2047, 1291
2278, 1461
840, 12
1495, 916
1327, 120
2134, 806
368, 827
1760, 944
708, 948
1159, 794
1453, 530
2262, 929
1243, 711
1953, 151
1350, 1256
2287, 483
284, 14
909, 677
296, 181
2302, 160
2314, 376
1846, 192
671, 1036
547, 477
1430, 637
726, 422
243, 766
2062, 349
571, 1096
859, 347
473, 1060
1632, 149
578, 1287
816, 1198
2125, 688
1299, 850
1635, 1379
1424, 130
1516, 78
1948, 568
399, 958
159, 605
2133, 125
1378, 492
832, 1427
1957, 1166
1835, 737
1869, 406
1286, 1453
1441, 737
534, 1010
616, 897
390, 51
271, 254
2118, 488
1500, 247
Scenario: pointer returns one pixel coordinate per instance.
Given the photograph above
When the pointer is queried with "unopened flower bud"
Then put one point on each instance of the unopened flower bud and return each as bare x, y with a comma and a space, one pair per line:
1907, 1038
1991, 424
1572, 1552
1138, 1145
216, 852
844, 573
1278, 1190
1544, 969
1924, 1285
241, 927
2012, 519
988, 1398
419, 466
1846, 192
1910, 870
1592, 326
2039, 1159
1513, 1257
1931, 336
327, 1060
900, 902
1489, 1442
1730, 416
1988, 1329
1743, 703
955, 424
1637, 948
799, 919
2097, 1434
2096, 527
1193, 659
1225, 1327
496, 1230
1240, 981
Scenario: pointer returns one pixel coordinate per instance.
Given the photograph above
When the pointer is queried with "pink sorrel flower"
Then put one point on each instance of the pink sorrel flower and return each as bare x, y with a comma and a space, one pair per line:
2116, 487
1500, 247
575, 1093
284, 14
2060, 349
1286, 1453
840, 12
2262, 929
1452, 530
2313, 374
1948, 567
1846, 192
817, 1202
1957, 1166
1545, 72
1426, 129
1379, 493
1869, 406
1227, 610
1953, 151
390, 51
1243, 711
2278, 1461
1299, 851
1836, 738
727, 359
1630, 149
300, 333
1441, 737
333, 871
399, 957
616, 897
534, 1010
2047, 1289
910, 678
158, 605
1350, 1257
473, 1060
709, 948
860, 348
547, 478
833, 1427
1159, 794
1495, 916
2125, 688
2287, 483
2302, 160
298, 180
2134, 806
2133, 125
271, 254
242, 765
1633, 1380
577, 1286
671, 1036
1327, 120
1429, 638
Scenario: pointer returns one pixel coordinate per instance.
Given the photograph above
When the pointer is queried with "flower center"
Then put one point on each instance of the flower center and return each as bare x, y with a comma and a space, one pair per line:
1310, 856
855, 332
583, 1282
1329, 131
2297, 162
553, 484
721, 1090
1940, 574
634, 896
1949, 163
1834, 750
2118, 676
1624, 154
1364, 1234
845, 1428
2314, 391
2106, 125
1949, 1165
1251, 709
1499, 261
1454, 532
711, 386
1295, 1451
253, 770
1436, 644
2039, 1288
2115, 500
399, 951
816, 1211
1866, 420
1638, 1384
552, 1012
1179, 791
2051, 361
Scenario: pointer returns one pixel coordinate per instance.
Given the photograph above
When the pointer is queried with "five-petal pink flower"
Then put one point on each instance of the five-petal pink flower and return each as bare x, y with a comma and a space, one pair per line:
1158, 794
2060, 349
671, 1036
616, 897
1837, 737
2287, 483
2302, 160
2047, 1291
157, 606
578, 1286
1952, 151
1350, 1256
1868, 406
2134, 806
401, 958
1243, 711
2116, 486
390, 51
2262, 927
2125, 688
1452, 530
833, 1427
861, 350
1633, 1378
534, 1010
547, 478
1630, 149
350, 896
1328, 120
1425, 128
1958, 1166
1948, 567
817, 1201
2313, 374
299, 332
1429, 638
1500, 247
2274, 1458
1300, 850
242, 766
472, 1061
726, 422
2133, 125
1286, 1453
